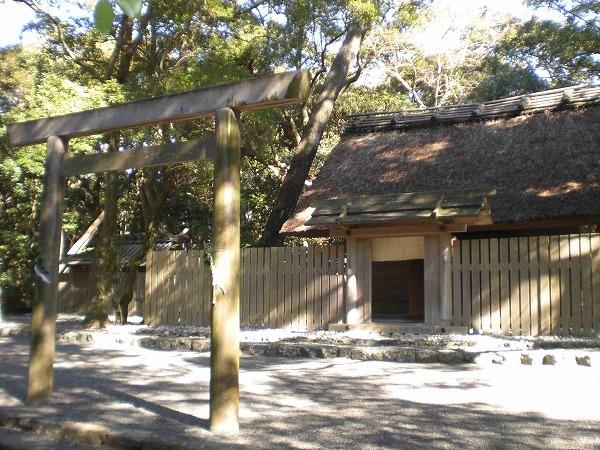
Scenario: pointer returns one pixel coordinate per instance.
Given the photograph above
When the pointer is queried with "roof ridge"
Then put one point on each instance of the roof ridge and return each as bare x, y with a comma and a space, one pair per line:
559, 98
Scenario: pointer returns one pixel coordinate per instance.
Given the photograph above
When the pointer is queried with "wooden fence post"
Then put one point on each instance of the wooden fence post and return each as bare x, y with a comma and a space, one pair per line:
225, 321
43, 322
445, 279
353, 315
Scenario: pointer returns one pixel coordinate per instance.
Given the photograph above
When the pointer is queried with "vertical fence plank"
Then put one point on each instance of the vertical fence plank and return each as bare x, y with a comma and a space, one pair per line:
341, 286
534, 304
266, 286
555, 284
485, 286
524, 303
173, 305
280, 287
295, 286
166, 282
335, 298
203, 301
595, 244
168, 287
247, 271
260, 288
515, 304
465, 251
575, 257
565, 285
194, 287
186, 297
302, 313
161, 288
272, 288
148, 300
456, 283
183, 298
206, 289
252, 269
496, 325
156, 277
324, 281
328, 253
317, 288
475, 286
310, 288
544, 293
368, 289
199, 288
270, 304
330, 298
288, 287
504, 286
586, 284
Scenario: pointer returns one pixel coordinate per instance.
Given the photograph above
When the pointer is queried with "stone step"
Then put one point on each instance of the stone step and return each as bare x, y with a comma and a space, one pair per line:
400, 327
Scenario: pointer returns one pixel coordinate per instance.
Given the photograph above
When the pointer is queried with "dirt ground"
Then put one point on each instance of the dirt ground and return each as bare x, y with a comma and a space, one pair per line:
306, 403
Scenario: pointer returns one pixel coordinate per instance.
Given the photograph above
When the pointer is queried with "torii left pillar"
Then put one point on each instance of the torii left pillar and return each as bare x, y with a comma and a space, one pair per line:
40, 379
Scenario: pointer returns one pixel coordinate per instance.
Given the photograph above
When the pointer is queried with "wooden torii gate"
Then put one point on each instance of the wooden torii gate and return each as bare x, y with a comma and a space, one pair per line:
224, 101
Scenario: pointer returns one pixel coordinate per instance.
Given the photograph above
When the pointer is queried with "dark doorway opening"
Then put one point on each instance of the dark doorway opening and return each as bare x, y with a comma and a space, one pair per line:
398, 292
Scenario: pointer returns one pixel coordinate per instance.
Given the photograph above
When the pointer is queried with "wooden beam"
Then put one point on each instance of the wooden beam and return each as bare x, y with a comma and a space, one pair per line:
225, 321
43, 321
155, 155
415, 230
88, 235
431, 278
255, 93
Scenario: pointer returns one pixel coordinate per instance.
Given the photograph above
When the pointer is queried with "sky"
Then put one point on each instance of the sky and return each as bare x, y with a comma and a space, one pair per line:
14, 16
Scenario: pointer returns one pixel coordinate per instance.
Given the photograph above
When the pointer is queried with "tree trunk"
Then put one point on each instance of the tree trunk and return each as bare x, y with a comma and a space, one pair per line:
292, 185
128, 285
106, 268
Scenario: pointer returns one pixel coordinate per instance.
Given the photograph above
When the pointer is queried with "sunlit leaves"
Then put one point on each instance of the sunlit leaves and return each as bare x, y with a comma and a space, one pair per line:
133, 8
104, 13
103, 16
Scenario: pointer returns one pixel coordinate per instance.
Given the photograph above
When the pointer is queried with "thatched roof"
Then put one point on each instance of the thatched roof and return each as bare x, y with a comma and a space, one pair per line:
543, 166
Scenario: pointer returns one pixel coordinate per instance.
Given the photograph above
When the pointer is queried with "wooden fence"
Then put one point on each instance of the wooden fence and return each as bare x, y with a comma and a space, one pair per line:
529, 286
290, 287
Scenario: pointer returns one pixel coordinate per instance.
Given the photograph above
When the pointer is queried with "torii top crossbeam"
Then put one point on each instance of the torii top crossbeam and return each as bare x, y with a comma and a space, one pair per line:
255, 93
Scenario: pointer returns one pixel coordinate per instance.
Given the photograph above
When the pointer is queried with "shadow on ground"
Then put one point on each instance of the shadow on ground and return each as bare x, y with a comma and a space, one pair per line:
287, 403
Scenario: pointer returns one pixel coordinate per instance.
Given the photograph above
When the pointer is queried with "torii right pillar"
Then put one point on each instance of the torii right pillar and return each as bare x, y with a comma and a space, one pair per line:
225, 320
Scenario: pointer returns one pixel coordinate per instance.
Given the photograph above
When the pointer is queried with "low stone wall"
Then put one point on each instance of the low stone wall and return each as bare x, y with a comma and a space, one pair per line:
445, 349
582, 357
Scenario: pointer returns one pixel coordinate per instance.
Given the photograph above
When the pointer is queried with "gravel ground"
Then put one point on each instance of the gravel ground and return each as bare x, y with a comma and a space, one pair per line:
303, 403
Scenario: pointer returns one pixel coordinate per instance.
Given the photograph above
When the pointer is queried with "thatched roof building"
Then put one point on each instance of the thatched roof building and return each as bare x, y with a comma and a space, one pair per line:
540, 153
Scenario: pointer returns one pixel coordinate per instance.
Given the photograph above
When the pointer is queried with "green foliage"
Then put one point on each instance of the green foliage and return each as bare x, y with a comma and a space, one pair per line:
560, 53
42, 90
103, 16
133, 8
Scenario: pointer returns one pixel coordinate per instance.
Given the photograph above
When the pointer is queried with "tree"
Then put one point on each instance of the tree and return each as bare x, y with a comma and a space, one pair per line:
306, 133
559, 53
